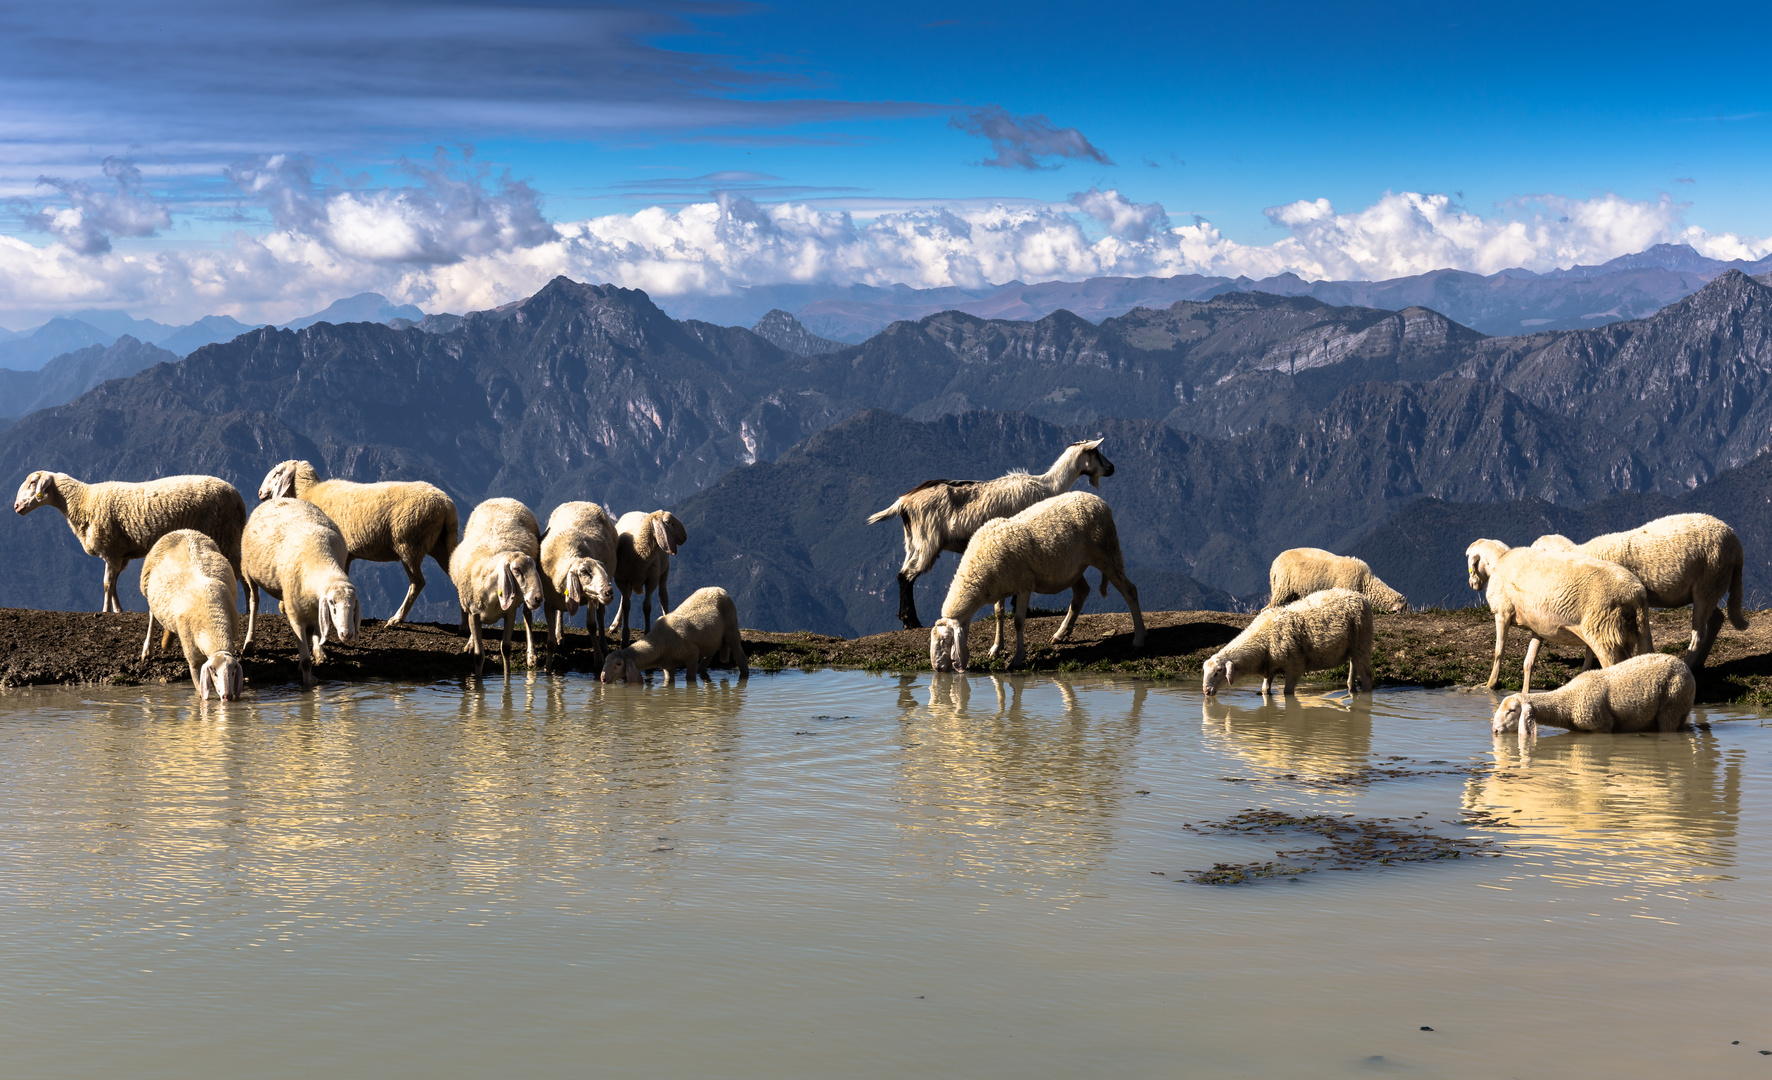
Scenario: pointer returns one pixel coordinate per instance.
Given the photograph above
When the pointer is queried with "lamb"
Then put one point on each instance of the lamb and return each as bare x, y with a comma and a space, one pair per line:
389, 521
1320, 632
644, 544
1560, 596
1680, 559
943, 515
119, 521
497, 577
1298, 572
1043, 549
293, 551
1652, 692
190, 589
578, 549
703, 628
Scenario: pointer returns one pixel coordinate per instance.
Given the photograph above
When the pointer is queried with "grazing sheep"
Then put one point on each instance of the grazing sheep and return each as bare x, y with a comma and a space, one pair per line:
1680, 559
497, 577
703, 628
119, 522
644, 544
390, 521
293, 551
1563, 597
578, 551
1322, 631
190, 589
1652, 692
1299, 572
1043, 549
942, 515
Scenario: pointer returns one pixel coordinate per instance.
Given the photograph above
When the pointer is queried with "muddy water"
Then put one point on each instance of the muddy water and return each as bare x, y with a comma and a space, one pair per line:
841, 874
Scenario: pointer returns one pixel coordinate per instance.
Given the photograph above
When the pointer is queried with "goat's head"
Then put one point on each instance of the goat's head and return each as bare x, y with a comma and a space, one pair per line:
1215, 675
1091, 462
1514, 714
222, 671
341, 614
619, 667
38, 489
279, 482
1479, 561
947, 646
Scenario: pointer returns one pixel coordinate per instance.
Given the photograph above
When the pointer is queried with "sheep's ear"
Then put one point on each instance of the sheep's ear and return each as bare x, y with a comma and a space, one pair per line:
236, 680
507, 585
1230, 672
661, 532
204, 674
574, 591
632, 671
327, 630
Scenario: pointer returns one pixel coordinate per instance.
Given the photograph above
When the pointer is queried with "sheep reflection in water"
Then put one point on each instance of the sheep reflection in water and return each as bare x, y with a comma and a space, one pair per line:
1292, 734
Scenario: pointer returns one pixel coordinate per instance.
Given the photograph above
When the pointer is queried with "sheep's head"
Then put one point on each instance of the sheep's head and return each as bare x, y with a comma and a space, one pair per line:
1092, 462
667, 531
587, 582
519, 581
619, 667
38, 489
1514, 714
223, 672
1393, 602
1479, 561
279, 482
947, 646
1215, 675
1554, 542
340, 613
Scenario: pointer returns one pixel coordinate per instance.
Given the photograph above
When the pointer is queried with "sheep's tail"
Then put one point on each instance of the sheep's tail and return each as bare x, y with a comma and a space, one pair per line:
1736, 618
894, 510
451, 536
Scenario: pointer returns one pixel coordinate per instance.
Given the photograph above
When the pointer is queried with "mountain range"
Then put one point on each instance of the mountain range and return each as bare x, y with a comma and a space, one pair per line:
1240, 425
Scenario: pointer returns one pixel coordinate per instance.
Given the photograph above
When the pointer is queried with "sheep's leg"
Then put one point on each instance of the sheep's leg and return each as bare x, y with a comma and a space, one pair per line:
1588, 660
1500, 640
622, 615
1079, 593
664, 593
166, 637
303, 653
319, 647
113, 570
150, 638
600, 648
1128, 593
1526, 668
412, 561
1267, 684
1699, 652
1292, 675
528, 638
997, 642
645, 612
1022, 600
251, 613
504, 645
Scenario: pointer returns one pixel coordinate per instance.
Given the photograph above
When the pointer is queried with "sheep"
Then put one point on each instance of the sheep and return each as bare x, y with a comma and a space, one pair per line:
1043, 549
497, 577
191, 588
703, 628
1652, 692
119, 521
644, 544
390, 521
1680, 559
942, 515
578, 550
293, 551
1563, 597
1298, 572
1320, 632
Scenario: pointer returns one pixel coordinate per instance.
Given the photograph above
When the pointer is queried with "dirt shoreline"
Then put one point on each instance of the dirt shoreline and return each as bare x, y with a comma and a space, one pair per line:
1422, 648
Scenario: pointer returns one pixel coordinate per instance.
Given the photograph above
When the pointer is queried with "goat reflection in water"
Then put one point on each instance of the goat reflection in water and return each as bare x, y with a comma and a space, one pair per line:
1292, 734
1674, 799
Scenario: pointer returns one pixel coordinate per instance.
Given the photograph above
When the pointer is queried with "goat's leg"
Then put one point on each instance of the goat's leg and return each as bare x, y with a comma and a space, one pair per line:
917, 561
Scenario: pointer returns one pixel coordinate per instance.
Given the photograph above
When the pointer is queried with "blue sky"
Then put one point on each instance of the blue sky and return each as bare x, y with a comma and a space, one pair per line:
264, 158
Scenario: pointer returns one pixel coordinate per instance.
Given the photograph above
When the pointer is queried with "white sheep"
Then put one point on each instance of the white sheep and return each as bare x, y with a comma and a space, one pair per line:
644, 544
1323, 631
391, 521
942, 515
191, 589
1298, 572
1681, 559
578, 552
497, 575
1652, 692
1562, 597
119, 521
293, 551
1043, 549
703, 628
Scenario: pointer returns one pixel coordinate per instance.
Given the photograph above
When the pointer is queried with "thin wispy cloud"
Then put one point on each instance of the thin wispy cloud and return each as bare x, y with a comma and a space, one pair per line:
1025, 142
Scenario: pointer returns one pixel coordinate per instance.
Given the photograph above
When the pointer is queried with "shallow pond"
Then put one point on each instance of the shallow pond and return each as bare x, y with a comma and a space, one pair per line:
844, 874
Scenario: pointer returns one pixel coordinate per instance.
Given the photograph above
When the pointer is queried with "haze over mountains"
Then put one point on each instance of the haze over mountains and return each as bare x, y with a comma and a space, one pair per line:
1240, 425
